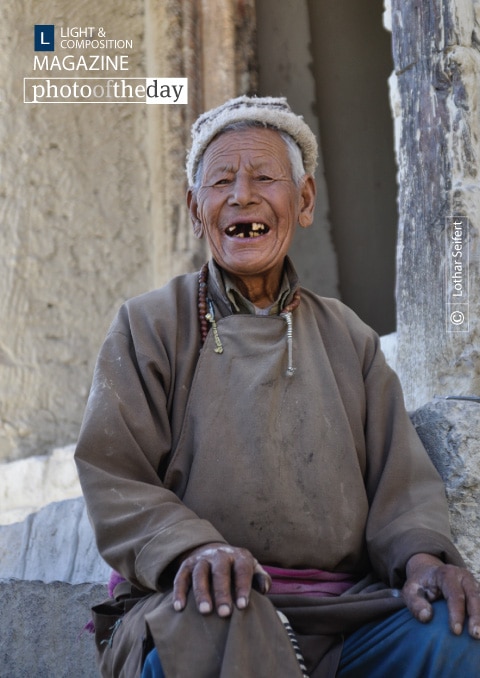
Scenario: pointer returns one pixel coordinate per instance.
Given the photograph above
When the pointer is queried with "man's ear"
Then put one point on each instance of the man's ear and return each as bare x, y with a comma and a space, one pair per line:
307, 201
193, 210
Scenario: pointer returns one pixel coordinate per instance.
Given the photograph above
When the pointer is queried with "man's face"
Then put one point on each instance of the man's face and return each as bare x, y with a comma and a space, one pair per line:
247, 204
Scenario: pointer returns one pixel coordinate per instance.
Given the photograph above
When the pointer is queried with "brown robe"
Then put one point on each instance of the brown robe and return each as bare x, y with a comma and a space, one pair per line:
182, 446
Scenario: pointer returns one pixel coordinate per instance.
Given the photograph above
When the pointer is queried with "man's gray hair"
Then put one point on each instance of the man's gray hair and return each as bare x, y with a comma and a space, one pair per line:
293, 150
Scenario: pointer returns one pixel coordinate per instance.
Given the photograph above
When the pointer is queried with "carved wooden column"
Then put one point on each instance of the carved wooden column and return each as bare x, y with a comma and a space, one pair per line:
435, 97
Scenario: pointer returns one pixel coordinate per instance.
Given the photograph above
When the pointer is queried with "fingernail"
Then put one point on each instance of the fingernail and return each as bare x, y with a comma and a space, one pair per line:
242, 603
204, 607
457, 629
177, 606
424, 615
476, 631
223, 611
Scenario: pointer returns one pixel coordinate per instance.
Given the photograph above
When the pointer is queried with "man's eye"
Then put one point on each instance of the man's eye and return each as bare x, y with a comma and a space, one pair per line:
222, 182
264, 177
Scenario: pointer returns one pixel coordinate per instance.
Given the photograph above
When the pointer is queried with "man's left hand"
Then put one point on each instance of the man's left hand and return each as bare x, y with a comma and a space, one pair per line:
429, 579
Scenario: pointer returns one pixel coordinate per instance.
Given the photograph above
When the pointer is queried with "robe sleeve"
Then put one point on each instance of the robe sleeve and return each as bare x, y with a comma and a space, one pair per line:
140, 526
408, 509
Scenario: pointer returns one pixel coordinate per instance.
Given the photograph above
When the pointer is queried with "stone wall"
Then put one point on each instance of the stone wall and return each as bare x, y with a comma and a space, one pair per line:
74, 241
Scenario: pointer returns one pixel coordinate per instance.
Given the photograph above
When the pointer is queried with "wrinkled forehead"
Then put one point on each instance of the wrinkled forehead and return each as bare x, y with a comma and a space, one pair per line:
253, 146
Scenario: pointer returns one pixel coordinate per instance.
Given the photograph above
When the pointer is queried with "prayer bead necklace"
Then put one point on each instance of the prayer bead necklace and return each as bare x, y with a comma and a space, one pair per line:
202, 302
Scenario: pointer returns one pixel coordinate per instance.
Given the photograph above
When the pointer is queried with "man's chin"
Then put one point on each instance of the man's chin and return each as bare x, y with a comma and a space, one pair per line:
250, 264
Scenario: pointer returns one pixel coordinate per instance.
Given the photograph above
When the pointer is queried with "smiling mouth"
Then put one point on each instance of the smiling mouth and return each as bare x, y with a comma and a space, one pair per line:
253, 230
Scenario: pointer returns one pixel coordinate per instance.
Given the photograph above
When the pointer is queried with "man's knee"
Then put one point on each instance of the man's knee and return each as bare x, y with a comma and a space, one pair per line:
400, 645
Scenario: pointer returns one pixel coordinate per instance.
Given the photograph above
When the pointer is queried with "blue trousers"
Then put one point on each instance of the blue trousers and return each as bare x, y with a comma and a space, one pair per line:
402, 647
397, 647
152, 667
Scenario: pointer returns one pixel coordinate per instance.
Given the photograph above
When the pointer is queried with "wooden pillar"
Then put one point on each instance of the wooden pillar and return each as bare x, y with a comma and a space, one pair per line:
211, 42
435, 98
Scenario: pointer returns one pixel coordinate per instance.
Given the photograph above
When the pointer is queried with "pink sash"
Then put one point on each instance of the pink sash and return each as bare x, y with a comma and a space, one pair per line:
308, 582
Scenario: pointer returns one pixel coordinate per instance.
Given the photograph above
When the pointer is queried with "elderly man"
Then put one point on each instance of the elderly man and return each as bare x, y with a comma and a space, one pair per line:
247, 461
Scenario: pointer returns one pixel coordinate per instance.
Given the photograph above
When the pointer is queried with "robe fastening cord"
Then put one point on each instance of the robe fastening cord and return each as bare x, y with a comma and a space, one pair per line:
206, 315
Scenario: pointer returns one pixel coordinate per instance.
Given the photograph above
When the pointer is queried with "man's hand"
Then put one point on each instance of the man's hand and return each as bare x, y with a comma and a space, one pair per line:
429, 579
215, 572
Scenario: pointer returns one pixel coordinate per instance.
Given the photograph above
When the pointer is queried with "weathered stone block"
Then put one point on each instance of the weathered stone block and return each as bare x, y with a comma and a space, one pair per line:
57, 543
450, 431
42, 630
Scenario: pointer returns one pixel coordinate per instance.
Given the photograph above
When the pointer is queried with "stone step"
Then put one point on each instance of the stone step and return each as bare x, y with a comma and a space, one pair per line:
42, 632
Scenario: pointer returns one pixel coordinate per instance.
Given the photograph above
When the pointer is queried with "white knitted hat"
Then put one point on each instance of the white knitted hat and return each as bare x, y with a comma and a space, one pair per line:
272, 111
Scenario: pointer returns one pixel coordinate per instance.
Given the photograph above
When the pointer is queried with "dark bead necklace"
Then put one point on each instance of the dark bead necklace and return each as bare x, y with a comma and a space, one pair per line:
205, 311
202, 302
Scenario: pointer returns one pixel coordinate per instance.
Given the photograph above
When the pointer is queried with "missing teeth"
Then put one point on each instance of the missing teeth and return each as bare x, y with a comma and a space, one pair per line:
253, 230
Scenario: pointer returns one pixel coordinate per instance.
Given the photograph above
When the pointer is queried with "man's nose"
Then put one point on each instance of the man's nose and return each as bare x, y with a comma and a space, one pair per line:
243, 191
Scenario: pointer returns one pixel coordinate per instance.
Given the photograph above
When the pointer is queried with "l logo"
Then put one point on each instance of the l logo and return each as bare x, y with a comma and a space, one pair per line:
44, 38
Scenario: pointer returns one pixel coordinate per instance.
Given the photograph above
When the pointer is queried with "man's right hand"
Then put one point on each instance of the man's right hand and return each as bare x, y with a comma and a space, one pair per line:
216, 572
